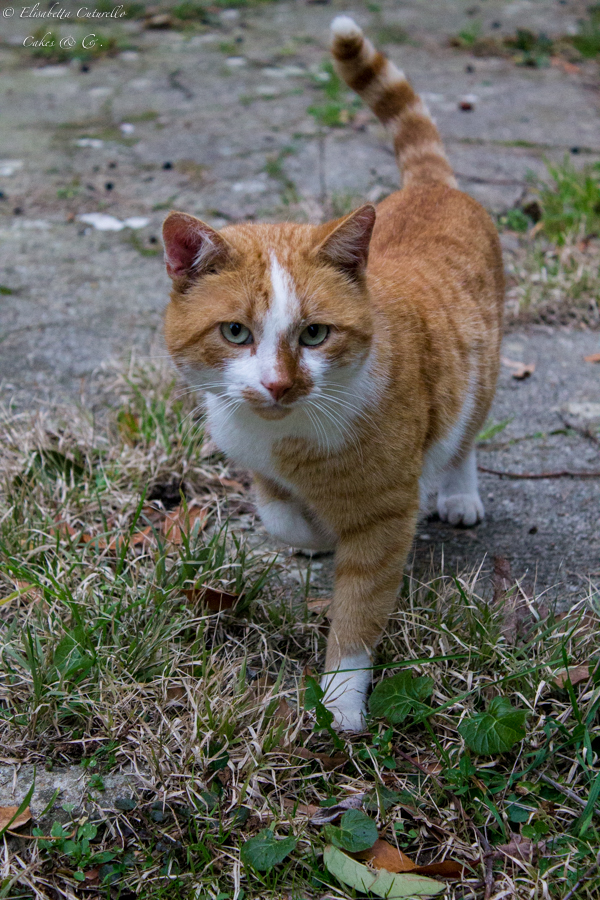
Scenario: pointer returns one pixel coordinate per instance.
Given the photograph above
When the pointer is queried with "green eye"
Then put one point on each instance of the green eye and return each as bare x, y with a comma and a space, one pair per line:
236, 333
313, 335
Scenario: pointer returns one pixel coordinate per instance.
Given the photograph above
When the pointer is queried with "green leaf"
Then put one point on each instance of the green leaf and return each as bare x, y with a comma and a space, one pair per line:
79, 876
496, 730
264, 850
381, 883
356, 831
396, 697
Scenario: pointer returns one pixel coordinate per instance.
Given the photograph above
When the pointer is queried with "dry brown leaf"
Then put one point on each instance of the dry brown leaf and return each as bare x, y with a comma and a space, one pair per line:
567, 67
28, 591
519, 848
7, 813
177, 692
575, 673
116, 543
318, 604
593, 358
448, 868
520, 370
431, 767
233, 484
91, 876
180, 521
328, 762
384, 856
513, 608
301, 809
215, 599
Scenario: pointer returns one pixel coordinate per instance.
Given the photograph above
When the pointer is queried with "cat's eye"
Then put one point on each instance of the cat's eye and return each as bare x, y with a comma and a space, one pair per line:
236, 333
313, 335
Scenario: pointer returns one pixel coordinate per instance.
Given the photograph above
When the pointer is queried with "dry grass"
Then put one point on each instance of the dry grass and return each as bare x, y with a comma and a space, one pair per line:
555, 285
105, 657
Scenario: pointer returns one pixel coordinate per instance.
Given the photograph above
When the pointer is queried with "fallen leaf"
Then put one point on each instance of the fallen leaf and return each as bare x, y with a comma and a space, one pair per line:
574, 673
329, 763
177, 692
502, 579
318, 604
117, 542
519, 848
507, 597
520, 370
447, 868
567, 67
384, 856
593, 358
329, 813
431, 766
181, 521
24, 591
91, 876
381, 883
233, 484
215, 599
8, 812
300, 809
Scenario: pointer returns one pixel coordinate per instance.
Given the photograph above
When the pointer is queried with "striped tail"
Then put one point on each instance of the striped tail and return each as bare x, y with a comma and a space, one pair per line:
384, 88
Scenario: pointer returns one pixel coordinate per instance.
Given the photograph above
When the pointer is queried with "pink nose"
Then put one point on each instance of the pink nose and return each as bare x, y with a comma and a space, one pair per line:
277, 388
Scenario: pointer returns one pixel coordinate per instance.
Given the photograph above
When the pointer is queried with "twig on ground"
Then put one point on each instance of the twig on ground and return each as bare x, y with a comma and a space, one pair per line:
562, 473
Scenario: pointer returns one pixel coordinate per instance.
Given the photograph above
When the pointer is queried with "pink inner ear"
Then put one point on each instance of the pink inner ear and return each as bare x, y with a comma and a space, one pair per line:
189, 244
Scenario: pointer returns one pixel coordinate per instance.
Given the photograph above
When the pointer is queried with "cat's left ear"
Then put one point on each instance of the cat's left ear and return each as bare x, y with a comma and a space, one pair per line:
191, 246
346, 244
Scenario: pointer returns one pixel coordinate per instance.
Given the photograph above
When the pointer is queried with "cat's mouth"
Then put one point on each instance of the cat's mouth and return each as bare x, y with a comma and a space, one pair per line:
271, 412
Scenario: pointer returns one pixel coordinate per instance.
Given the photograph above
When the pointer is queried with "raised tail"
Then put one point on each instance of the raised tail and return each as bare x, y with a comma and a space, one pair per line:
383, 87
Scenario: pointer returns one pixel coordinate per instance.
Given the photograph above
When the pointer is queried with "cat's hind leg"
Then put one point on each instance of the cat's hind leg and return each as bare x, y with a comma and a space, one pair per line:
288, 521
458, 495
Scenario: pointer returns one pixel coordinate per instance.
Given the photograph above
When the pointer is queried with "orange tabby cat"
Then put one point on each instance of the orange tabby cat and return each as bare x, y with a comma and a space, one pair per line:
349, 365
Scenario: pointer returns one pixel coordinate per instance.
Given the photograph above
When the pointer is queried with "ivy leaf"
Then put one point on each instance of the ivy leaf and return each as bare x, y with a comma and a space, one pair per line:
264, 850
396, 697
356, 831
496, 730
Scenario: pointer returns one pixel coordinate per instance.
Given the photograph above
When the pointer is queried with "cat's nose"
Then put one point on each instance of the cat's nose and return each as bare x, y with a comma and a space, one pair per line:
277, 389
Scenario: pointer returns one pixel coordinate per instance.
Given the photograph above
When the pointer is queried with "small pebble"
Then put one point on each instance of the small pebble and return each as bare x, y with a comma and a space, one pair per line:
167, 165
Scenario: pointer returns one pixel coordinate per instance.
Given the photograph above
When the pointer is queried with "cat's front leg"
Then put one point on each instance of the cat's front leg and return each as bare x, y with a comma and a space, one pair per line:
288, 521
458, 498
369, 565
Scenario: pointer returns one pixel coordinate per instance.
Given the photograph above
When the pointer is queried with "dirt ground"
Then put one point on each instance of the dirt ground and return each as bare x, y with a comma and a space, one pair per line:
216, 122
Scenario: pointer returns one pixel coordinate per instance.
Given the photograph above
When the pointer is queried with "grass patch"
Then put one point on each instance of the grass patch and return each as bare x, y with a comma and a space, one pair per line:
556, 285
483, 735
535, 49
339, 106
571, 202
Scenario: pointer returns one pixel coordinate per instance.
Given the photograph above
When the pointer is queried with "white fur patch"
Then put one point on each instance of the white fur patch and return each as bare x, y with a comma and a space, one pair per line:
346, 691
458, 499
441, 454
285, 521
345, 27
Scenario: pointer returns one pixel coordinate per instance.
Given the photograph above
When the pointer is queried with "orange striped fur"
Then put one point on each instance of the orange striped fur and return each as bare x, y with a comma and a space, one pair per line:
349, 365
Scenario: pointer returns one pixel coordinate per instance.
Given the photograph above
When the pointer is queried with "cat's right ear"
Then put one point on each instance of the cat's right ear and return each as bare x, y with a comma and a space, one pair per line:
192, 247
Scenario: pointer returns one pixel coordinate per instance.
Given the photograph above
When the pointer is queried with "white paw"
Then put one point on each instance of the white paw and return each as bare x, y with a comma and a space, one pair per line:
346, 692
461, 509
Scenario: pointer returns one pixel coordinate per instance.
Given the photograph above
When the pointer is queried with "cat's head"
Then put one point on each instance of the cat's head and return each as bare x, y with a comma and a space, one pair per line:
269, 315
